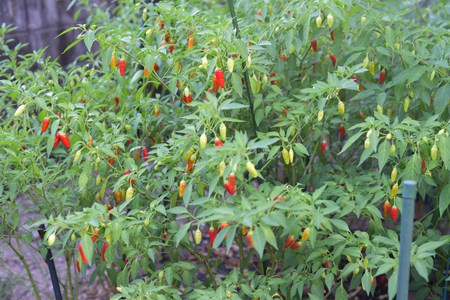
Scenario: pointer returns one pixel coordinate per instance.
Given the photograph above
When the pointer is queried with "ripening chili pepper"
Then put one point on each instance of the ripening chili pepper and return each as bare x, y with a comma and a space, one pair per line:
78, 266
77, 156
165, 235
434, 152
285, 155
333, 59
394, 190
372, 68
182, 188
290, 239
146, 73
332, 35
295, 245
94, 235
20, 110
320, 115
323, 146
191, 42
394, 212
372, 281
57, 140
423, 167
190, 165
305, 234
116, 101
51, 239
64, 139
212, 235
341, 132
203, 140
232, 179
220, 78
118, 197
45, 124
330, 20
249, 238
394, 174
327, 264
136, 156
229, 187
283, 57
105, 246
198, 236
319, 21
223, 131
341, 107
144, 154
122, 66
230, 65
366, 143
251, 169
382, 77
314, 45
129, 193
221, 168
83, 257
387, 209
113, 61
291, 155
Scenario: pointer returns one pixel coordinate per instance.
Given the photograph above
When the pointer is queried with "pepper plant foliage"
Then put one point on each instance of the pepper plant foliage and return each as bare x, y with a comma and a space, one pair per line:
324, 98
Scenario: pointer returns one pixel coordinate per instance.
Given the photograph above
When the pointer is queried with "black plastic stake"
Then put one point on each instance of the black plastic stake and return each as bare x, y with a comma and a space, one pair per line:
51, 267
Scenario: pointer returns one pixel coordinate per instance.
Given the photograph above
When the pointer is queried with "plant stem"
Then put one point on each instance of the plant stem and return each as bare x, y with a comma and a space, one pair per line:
246, 77
19, 254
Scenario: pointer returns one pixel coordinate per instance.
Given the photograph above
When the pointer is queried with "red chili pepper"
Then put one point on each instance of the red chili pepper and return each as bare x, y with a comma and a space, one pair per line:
64, 139
394, 212
116, 100
289, 241
190, 43
218, 143
295, 245
215, 83
111, 207
45, 124
382, 77
165, 235
161, 25
220, 77
78, 266
332, 35
212, 235
323, 146
283, 57
94, 236
327, 264
423, 167
83, 257
126, 173
341, 132
333, 59
355, 78
105, 246
229, 187
122, 66
314, 45
57, 140
387, 209
144, 154
171, 47
272, 74
232, 179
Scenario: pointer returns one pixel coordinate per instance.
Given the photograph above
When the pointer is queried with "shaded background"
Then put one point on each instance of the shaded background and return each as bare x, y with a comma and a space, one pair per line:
38, 22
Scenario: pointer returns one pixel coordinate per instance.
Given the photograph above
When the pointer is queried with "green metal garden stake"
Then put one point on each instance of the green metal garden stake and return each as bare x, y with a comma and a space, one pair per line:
406, 231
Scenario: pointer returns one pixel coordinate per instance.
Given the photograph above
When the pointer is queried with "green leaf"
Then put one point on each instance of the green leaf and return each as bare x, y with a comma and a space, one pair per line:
444, 199
263, 144
269, 235
442, 99
88, 247
431, 246
259, 240
89, 38
232, 105
421, 268
237, 83
242, 49
383, 155
444, 148
182, 233
392, 284
351, 140
300, 149
341, 293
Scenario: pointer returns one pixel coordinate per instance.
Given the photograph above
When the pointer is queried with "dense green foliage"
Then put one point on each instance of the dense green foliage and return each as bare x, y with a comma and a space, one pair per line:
347, 128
